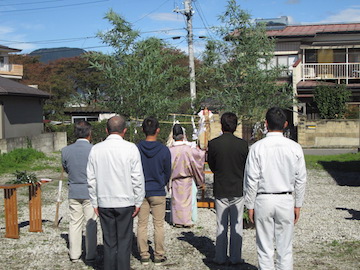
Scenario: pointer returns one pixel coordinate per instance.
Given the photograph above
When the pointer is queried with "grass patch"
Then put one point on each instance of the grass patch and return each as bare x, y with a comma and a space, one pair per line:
334, 256
349, 250
23, 159
345, 162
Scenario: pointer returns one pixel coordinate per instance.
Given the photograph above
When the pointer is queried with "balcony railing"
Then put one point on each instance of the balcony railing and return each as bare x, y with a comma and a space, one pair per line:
331, 71
11, 70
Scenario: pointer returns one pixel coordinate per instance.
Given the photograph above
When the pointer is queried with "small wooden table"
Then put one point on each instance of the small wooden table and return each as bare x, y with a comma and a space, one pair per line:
11, 211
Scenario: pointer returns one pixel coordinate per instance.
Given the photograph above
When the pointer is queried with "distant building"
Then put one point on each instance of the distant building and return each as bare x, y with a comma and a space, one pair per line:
318, 54
7, 69
88, 113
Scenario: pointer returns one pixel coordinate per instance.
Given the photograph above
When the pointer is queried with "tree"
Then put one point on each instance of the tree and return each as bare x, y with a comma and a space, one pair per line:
331, 100
143, 77
68, 80
242, 78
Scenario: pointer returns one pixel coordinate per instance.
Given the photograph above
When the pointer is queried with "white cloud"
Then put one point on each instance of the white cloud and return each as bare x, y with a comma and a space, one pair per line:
9, 38
172, 17
5, 30
25, 47
32, 26
346, 15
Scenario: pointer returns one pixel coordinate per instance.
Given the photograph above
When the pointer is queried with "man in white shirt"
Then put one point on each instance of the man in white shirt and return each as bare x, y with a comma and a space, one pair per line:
275, 168
117, 189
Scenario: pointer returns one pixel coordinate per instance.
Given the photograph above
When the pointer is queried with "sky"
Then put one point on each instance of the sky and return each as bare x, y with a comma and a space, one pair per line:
35, 24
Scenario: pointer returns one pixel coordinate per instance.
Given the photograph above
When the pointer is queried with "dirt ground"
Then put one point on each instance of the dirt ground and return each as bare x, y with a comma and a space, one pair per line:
327, 236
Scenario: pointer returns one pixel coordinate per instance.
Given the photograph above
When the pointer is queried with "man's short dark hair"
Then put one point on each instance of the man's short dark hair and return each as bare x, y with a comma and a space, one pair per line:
82, 129
150, 125
229, 122
275, 118
116, 124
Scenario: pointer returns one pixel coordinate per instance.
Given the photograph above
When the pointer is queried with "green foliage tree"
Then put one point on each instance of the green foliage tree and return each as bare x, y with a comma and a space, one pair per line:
331, 100
240, 75
144, 77
68, 80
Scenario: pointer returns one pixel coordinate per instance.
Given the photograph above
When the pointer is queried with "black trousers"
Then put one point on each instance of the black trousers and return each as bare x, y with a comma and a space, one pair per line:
117, 227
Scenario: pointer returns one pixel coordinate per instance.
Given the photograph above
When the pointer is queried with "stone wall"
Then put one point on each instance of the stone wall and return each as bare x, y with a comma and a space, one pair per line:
46, 142
329, 133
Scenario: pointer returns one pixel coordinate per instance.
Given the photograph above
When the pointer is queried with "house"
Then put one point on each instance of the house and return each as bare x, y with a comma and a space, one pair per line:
21, 109
8, 70
318, 54
21, 106
88, 113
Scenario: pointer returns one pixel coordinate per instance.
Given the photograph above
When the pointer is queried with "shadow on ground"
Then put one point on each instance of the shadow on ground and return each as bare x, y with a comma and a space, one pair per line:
206, 246
355, 213
98, 264
27, 223
344, 173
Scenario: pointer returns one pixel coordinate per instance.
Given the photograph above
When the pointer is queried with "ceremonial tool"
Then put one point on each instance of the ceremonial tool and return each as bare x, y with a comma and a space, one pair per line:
58, 201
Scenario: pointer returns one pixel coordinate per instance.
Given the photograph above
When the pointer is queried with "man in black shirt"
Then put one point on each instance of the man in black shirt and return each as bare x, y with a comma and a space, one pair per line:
226, 158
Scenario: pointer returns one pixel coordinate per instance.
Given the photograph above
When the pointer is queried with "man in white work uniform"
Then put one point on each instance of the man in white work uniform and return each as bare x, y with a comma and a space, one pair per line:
275, 169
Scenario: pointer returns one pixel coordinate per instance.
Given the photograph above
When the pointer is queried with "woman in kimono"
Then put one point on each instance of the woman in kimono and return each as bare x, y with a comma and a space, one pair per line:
187, 173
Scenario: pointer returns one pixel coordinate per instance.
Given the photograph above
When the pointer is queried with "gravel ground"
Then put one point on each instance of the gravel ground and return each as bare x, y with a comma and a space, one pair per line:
331, 215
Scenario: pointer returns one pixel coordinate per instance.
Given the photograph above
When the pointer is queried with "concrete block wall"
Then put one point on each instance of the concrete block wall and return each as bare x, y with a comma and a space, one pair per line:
46, 142
329, 133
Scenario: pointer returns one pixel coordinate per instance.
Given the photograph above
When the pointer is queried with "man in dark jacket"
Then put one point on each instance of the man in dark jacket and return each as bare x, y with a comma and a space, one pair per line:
156, 162
226, 158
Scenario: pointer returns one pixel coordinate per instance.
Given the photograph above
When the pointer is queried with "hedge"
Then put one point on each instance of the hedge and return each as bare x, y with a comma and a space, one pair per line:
134, 133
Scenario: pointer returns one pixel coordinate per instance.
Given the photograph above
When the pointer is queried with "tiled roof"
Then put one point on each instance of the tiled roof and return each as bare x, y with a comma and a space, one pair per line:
11, 88
312, 30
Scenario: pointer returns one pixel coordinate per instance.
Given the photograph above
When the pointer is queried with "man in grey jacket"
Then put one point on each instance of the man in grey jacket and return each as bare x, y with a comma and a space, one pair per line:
74, 159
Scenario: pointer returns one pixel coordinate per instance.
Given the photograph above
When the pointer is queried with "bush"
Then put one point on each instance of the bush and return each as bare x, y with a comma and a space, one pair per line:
134, 133
331, 100
98, 131
165, 129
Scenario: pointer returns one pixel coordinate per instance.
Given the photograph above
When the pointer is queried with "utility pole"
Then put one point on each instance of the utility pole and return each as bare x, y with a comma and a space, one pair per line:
188, 12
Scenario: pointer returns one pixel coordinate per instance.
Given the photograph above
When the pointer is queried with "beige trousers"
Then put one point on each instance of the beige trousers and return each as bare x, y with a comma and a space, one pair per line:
156, 206
82, 212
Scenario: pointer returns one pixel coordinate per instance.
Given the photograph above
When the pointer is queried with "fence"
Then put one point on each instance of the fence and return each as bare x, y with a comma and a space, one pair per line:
329, 133
46, 142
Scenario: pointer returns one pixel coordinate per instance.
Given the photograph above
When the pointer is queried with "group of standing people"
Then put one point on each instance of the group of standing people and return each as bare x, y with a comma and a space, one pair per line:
263, 178
117, 180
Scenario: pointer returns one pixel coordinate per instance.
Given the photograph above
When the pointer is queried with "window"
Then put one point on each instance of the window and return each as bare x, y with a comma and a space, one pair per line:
310, 56
340, 56
284, 60
92, 118
354, 55
2, 61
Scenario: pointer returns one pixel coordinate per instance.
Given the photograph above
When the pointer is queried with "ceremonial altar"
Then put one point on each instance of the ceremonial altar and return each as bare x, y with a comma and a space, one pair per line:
11, 210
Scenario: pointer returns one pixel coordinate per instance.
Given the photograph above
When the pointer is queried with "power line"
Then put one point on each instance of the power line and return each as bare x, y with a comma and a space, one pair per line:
81, 38
29, 3
61, 6
203, 19
151, 11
